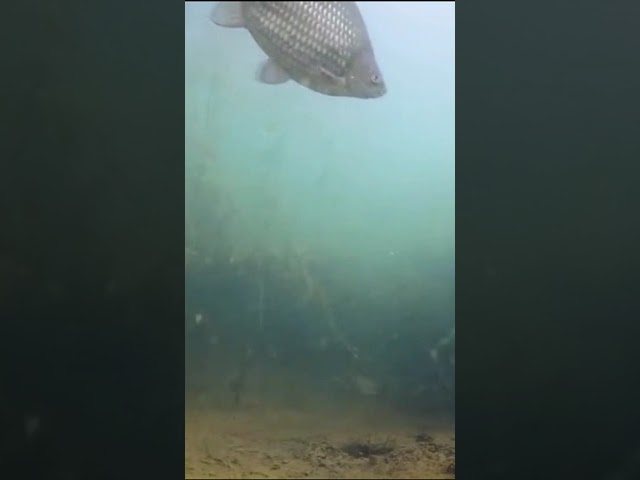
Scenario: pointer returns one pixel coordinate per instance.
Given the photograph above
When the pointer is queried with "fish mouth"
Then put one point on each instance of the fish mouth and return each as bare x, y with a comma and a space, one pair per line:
379, 92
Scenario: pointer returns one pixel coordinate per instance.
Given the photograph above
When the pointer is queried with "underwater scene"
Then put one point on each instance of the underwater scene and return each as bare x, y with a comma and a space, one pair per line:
320, 240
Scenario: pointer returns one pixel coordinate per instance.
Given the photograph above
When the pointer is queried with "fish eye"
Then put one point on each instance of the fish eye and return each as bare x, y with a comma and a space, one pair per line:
375, 78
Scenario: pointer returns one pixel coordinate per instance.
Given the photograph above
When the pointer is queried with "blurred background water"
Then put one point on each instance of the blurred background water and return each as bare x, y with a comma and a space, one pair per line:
319, 237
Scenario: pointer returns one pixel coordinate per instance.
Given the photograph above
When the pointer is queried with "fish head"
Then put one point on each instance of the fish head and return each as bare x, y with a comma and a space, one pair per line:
364, 78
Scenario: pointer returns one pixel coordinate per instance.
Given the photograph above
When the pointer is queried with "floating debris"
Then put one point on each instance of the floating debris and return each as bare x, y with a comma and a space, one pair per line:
366, 386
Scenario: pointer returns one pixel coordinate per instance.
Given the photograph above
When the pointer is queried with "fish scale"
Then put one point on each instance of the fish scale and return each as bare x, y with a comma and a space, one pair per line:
315, 40
322, 45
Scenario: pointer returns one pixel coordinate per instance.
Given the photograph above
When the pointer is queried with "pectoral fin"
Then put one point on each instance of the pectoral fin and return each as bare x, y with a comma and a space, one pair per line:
271, 73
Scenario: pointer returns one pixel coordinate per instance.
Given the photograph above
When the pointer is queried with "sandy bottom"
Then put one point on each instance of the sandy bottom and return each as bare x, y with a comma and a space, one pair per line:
274, 441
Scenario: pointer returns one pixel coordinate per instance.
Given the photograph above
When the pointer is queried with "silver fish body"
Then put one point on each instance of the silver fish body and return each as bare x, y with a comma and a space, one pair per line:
324, 46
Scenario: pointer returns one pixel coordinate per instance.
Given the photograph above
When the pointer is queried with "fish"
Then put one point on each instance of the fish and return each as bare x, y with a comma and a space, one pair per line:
324, 46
